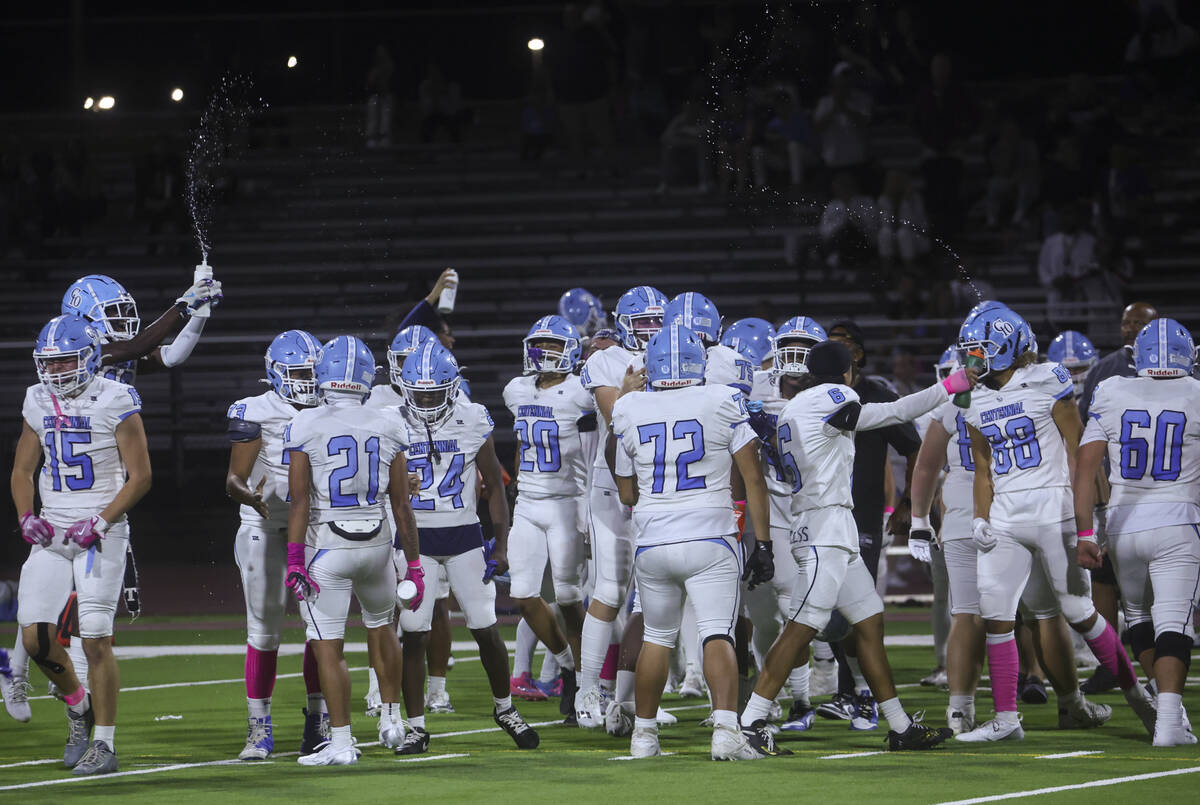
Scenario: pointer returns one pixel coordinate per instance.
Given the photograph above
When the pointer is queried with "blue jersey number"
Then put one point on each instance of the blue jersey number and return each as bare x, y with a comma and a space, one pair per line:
451, 487
1167, 461
964, 445
1016, 445
348, 447
791, 471
656, 434
837, 396
542, 436
66, 456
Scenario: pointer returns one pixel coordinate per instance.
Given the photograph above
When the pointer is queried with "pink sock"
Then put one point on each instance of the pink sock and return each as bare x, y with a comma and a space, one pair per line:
312, 679
260, 673
1111, 654
609, 669
1003, 665
76, 697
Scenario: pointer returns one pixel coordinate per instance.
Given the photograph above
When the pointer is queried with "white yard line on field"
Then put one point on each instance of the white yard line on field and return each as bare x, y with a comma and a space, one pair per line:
431, 757
1133, 778
850, 754
1061, 755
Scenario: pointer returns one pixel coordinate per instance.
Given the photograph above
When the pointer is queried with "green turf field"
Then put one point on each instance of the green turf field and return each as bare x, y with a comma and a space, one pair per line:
190, 758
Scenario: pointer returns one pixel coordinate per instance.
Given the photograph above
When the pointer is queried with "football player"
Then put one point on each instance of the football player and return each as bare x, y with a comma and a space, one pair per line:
547, 404
815, 438
638, 315
257, 479
751, 338
342, 459
724, 366
448, 438
1024, 435
583, 310
87, 431
1074, 351
677, 445
1149, 426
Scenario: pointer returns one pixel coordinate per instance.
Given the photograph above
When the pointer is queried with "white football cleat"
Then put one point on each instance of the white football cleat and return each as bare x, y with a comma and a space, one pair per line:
1143, 706
329, 755
617, 721
438, 702
15, 691
589, 708
644, 743
960, 721
732, 744
1180, 737
693, 686
1083, 715
391, 735
260, 742
994, 730
664, 718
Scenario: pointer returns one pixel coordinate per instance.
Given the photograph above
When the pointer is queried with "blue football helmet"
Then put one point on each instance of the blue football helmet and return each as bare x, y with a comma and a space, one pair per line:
105, 303
291, 359
1073, 350
997, 336
430, 382
582, 308
639, 315
696, 312
947, 364
404, 344
540, 360
345, 364
1164, 348
675, 358
67, 338
750, 338
792, 341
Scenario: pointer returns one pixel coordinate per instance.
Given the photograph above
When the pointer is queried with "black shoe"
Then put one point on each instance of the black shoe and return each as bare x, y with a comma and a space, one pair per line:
416, 742
917, 736
759, 736
566, 704
843, 707
1102, 680
523, 735
571, 720
316, 732
1033, 691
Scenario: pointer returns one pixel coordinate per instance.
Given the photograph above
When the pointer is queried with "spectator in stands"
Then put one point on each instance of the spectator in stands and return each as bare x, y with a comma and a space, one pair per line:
1067, 182
788, 141
909, 54
903, 223
685, 136
841, 118
945, 118
1015, 177
1123, 193
583, 69
1069, 271
1162, 43
380, 101
538, 119
849, 227
158, 191
798, 54
442, 106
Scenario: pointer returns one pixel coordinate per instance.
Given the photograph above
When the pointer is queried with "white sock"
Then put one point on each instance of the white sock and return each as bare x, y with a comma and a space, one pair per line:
437, 684
340, 737
392, 713
550, 666
822, 650
860, 682
725, 718
526, 643
417, 722
316, 703
502, 704
105, 734
1008, 717
259, 708
963, 704
1170, 713
645, 724
372, 681
81, 707
18, 660
79, 660
565, 659
597, 635
798, 683
1097, 628
625, 686
757, 709
893, 711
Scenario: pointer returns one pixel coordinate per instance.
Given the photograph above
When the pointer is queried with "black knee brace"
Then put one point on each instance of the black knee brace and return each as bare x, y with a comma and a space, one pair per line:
1140, 637
724, 637
1174, 644
42, 656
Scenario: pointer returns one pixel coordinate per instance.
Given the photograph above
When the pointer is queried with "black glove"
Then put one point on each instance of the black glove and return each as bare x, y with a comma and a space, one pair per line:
760, 567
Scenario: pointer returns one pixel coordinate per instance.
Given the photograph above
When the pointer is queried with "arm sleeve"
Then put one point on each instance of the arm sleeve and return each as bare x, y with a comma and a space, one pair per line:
905, 409
846, 417
423, 314
178, 350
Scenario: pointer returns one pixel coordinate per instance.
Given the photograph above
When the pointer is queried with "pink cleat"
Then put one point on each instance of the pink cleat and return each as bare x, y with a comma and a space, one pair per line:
523, 688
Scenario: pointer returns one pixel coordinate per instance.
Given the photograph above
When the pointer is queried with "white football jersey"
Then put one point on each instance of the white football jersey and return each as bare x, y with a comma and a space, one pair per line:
958, 486
818, 457
546, 422
1028, 452
606, 367
444, 459
82, 471
778, 486
384, 396
1153, 432
680, 444
724, 366
272, 414
350, 449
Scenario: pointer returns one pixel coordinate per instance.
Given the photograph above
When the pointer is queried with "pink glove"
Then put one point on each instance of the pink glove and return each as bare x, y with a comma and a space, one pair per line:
957, 382
35, 530
298, 580
85, 533
416, 574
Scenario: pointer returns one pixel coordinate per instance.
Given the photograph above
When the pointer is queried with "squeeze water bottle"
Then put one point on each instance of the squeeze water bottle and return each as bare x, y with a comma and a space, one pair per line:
446, 300
963, 398
203, 272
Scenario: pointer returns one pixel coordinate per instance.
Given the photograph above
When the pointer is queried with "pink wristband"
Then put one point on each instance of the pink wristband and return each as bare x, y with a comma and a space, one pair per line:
889, 510
1088, 534
415, 563
295, 553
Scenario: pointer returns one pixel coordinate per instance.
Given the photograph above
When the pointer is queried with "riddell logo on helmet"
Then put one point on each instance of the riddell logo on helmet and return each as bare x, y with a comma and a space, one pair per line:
1153, 372
341, 385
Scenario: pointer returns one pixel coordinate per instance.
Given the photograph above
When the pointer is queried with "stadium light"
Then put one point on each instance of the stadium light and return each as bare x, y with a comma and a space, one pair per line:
106, 102
89, 102
177, 95
536, 44
292, 62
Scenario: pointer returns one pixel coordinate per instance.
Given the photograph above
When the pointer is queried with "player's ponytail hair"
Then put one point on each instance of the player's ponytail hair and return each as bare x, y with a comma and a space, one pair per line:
1025, 359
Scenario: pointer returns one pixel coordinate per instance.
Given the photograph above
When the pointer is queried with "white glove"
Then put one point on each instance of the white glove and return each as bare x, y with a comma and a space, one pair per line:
202, 297
981, 530
920, 538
